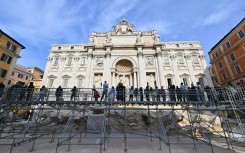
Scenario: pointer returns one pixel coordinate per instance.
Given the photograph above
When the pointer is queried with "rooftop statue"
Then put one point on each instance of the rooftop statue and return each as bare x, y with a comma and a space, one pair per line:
124, 27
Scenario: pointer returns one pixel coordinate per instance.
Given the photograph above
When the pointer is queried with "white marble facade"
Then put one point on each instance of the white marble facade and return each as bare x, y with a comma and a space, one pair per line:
134, 58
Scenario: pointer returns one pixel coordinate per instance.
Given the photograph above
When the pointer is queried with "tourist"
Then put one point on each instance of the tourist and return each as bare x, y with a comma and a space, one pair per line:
105, 91
183, 91
136, 94
147, 92
131, 93
112, 94
179, 94
163, 93
141, 94
73, 93
2, 86
172, 93
96, 94
30, 90
59, 93
158, 93
152, 94
42, 93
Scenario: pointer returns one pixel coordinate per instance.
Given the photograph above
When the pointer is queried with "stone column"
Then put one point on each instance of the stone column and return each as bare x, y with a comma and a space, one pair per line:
107, 70
190, 69
175, 67
135, 80
113, 79
141, 63
160, 65
89, 67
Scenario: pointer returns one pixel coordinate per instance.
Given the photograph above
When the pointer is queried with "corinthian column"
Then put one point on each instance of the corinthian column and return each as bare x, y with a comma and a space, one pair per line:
141, 63
159, 64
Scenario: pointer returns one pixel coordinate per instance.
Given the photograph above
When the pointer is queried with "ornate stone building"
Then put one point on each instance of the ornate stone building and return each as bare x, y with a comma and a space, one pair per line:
134, 58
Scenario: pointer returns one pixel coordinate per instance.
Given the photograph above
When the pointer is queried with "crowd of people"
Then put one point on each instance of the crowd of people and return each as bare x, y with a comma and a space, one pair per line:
181, 93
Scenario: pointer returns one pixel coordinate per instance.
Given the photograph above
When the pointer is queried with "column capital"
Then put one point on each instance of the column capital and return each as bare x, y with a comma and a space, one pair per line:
107, 55
140, 54
90, 55
159, 53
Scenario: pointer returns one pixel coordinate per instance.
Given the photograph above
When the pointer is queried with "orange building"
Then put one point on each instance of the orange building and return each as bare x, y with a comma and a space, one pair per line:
9, 53
228, 57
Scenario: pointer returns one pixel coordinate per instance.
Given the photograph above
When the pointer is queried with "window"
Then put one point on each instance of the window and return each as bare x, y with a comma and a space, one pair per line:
177, 45
191, 45
2, 73
195, 59
238, 69
65, 83
228, 45
79, 83
232, 56
166, 60
56, 61
220, 65
180, 59
200, 80
224, 75
185, 81
169, 82
216, 54
241, 34
12, 73
82, 61
69, 61
59, 48
50, 82
9, 82
11, 47
20, 76
5, 58
27, 77
72, 47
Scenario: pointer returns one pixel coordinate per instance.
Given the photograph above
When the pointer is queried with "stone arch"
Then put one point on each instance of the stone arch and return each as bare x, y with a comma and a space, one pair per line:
124, 58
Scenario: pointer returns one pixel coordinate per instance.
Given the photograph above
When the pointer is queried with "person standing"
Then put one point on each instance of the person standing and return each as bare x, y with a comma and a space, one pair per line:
73, 93
42, 93
59, 93
112, 94
2, 86
30, 90
141, 94
96, 95
136, 94
163, 93
105, 91
131, 93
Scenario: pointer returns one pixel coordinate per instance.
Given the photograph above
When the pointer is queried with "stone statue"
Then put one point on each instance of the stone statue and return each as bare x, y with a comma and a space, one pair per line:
138, 38
99, 62
91, 39
155, 36
108, 37
116, 28
98, 81
151, 81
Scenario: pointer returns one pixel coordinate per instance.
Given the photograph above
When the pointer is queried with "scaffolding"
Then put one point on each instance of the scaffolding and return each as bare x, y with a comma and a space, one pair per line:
68, 122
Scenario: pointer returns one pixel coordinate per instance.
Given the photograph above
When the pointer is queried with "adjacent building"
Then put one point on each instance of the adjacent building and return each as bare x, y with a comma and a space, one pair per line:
228, 57
37, 76
134, 58
20, 74
9, 53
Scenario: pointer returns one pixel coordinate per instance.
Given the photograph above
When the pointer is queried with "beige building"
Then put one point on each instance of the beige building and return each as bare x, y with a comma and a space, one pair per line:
37, 76
20, 74
134, 58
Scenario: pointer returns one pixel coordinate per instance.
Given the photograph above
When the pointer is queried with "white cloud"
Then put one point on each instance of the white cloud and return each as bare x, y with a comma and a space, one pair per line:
220, 13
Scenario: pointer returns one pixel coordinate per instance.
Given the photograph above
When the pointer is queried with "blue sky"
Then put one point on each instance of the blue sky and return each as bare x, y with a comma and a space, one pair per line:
37, 24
